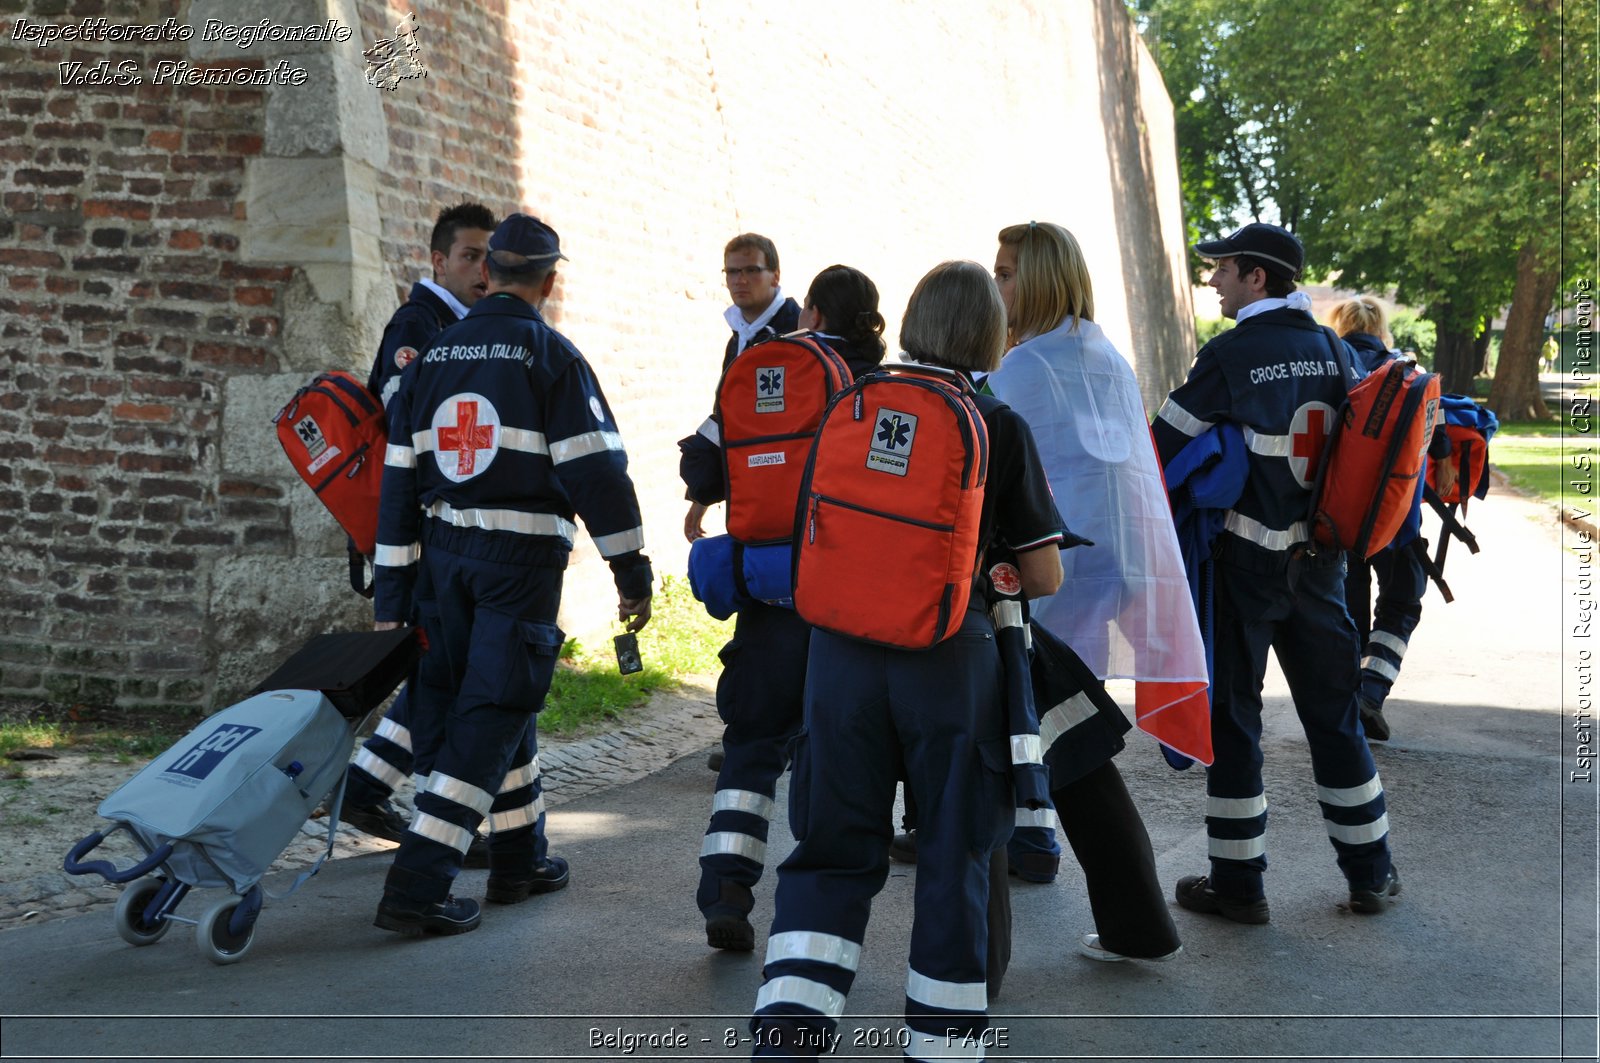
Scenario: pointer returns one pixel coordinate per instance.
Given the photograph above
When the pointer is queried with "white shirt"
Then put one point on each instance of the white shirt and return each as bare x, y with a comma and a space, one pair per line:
1296, 301
746, 330
449, 300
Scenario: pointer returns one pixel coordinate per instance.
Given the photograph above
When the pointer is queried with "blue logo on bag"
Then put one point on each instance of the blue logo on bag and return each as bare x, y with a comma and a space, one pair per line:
200, 761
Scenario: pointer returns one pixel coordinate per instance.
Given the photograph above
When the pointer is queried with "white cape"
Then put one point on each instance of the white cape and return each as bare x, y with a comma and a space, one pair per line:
1124, 606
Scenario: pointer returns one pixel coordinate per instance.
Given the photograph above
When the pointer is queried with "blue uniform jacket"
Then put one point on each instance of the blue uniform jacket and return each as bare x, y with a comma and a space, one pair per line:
499, 437
420, 318
1278, 377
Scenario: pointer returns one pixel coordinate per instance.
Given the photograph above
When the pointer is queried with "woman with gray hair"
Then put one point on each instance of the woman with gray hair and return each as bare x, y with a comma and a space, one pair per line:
872, 711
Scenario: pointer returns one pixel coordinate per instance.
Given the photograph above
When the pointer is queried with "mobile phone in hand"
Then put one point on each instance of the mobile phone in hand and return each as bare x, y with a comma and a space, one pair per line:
628, 660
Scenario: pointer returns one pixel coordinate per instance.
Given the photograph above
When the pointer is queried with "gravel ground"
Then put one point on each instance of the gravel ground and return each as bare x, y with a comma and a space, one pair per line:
51, 803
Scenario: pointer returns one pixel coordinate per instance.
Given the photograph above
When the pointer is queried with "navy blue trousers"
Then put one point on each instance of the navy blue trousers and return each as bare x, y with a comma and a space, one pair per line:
1386, 630
872, 713
1298, 612
493, 644
760, 697
385, 759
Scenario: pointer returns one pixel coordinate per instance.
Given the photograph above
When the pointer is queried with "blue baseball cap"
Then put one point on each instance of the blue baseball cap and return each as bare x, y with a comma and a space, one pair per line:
1269, 243
525, 236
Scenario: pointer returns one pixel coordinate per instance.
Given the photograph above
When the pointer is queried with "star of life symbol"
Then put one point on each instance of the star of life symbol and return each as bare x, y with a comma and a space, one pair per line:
466, 433
1308, 434
892, 437
769, 389
311, 435
395, 59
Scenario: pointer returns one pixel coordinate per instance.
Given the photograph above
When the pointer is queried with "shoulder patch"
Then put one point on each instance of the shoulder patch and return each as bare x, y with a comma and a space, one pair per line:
1006, 578
404, 356
598, 410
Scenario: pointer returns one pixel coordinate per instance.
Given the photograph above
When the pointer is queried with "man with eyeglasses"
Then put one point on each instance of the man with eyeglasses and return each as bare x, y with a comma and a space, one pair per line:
760, 310
765, 659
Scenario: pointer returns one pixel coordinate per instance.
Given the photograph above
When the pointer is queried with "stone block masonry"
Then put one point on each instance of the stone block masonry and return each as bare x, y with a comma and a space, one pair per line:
177, 255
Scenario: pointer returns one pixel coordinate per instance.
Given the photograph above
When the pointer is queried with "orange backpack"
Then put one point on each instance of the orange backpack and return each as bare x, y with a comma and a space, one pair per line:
1367, 480
887, 531
335, 435
769, 403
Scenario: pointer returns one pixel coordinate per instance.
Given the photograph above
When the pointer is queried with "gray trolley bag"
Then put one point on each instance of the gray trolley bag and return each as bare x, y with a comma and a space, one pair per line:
219, 806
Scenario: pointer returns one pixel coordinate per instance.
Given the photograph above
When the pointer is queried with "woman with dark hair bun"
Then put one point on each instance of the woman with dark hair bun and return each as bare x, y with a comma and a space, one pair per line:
764, 664
842, 309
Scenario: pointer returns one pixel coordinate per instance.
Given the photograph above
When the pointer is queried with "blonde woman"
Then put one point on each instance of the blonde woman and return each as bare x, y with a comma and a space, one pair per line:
1124, 605
1385, 631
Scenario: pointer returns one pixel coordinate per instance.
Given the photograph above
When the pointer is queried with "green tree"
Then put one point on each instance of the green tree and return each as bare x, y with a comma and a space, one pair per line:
1410, 143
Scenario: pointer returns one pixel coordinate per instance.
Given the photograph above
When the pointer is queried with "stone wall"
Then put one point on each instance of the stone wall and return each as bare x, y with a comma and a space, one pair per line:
175, 259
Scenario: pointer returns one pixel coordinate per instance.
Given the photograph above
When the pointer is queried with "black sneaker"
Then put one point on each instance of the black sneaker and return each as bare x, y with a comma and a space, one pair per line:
903, 850
1373, 901
1372, 720
732, 932
413, 919
381, 820
477, 854
1195, 893
548, 877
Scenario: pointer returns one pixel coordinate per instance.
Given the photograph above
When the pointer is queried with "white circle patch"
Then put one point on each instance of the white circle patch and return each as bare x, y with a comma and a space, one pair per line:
1308, 434
466, 435
598, 410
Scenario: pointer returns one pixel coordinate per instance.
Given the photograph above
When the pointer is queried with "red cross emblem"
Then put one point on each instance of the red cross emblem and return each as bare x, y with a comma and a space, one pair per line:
1308, 434
475, 431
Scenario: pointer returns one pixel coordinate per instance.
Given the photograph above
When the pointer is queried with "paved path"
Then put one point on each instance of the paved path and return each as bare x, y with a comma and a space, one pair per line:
1490, 955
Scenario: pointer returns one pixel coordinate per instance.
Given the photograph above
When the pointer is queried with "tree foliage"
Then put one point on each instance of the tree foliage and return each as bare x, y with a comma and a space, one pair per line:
1413, 144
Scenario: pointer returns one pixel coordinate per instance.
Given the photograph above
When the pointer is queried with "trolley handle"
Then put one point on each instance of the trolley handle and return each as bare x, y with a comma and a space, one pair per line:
75, 864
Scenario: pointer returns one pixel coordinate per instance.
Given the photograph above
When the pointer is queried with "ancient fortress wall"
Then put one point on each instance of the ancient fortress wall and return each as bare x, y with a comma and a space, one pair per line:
177, 256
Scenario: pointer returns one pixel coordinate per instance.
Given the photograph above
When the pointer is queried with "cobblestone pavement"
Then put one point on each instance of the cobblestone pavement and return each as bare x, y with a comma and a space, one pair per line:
673, 725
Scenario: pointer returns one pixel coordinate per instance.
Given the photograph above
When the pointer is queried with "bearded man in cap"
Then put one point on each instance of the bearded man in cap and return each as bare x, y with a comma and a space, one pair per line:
1279, 378
501, 438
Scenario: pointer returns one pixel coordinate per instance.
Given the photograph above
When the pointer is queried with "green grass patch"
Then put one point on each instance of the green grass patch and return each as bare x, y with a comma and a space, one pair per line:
32, 735
680, 640
1533, 463
1583, 426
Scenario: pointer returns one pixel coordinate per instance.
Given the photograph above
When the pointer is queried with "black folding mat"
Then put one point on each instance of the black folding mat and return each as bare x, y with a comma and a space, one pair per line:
355, 669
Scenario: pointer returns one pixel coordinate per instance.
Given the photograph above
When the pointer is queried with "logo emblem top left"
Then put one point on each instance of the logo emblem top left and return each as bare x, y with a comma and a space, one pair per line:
466, 433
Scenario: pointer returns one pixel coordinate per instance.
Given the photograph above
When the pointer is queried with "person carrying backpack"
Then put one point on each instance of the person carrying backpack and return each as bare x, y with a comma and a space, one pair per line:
1385, 627
763, 665
1278, 378
873, 709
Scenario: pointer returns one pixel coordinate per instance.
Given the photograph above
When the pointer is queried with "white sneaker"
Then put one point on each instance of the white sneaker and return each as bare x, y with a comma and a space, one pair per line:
1089, 945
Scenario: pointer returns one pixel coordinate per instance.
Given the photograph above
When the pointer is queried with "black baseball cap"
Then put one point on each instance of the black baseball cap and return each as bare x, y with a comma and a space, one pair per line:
1270, 244
525, 235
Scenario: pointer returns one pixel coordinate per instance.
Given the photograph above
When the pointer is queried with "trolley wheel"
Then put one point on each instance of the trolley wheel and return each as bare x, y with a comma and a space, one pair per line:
131, 926
220, 942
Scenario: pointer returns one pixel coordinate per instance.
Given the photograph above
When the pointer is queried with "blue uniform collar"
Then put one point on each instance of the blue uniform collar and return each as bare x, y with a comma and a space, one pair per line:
504, 304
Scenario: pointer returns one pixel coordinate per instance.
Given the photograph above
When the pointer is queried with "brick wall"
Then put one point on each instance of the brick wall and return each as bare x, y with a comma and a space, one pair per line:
175, 260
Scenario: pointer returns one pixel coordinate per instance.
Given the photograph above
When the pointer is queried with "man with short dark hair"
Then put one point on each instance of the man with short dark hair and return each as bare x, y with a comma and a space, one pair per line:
760, 310
457, 245
500, 438
1279, 377
456, 249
